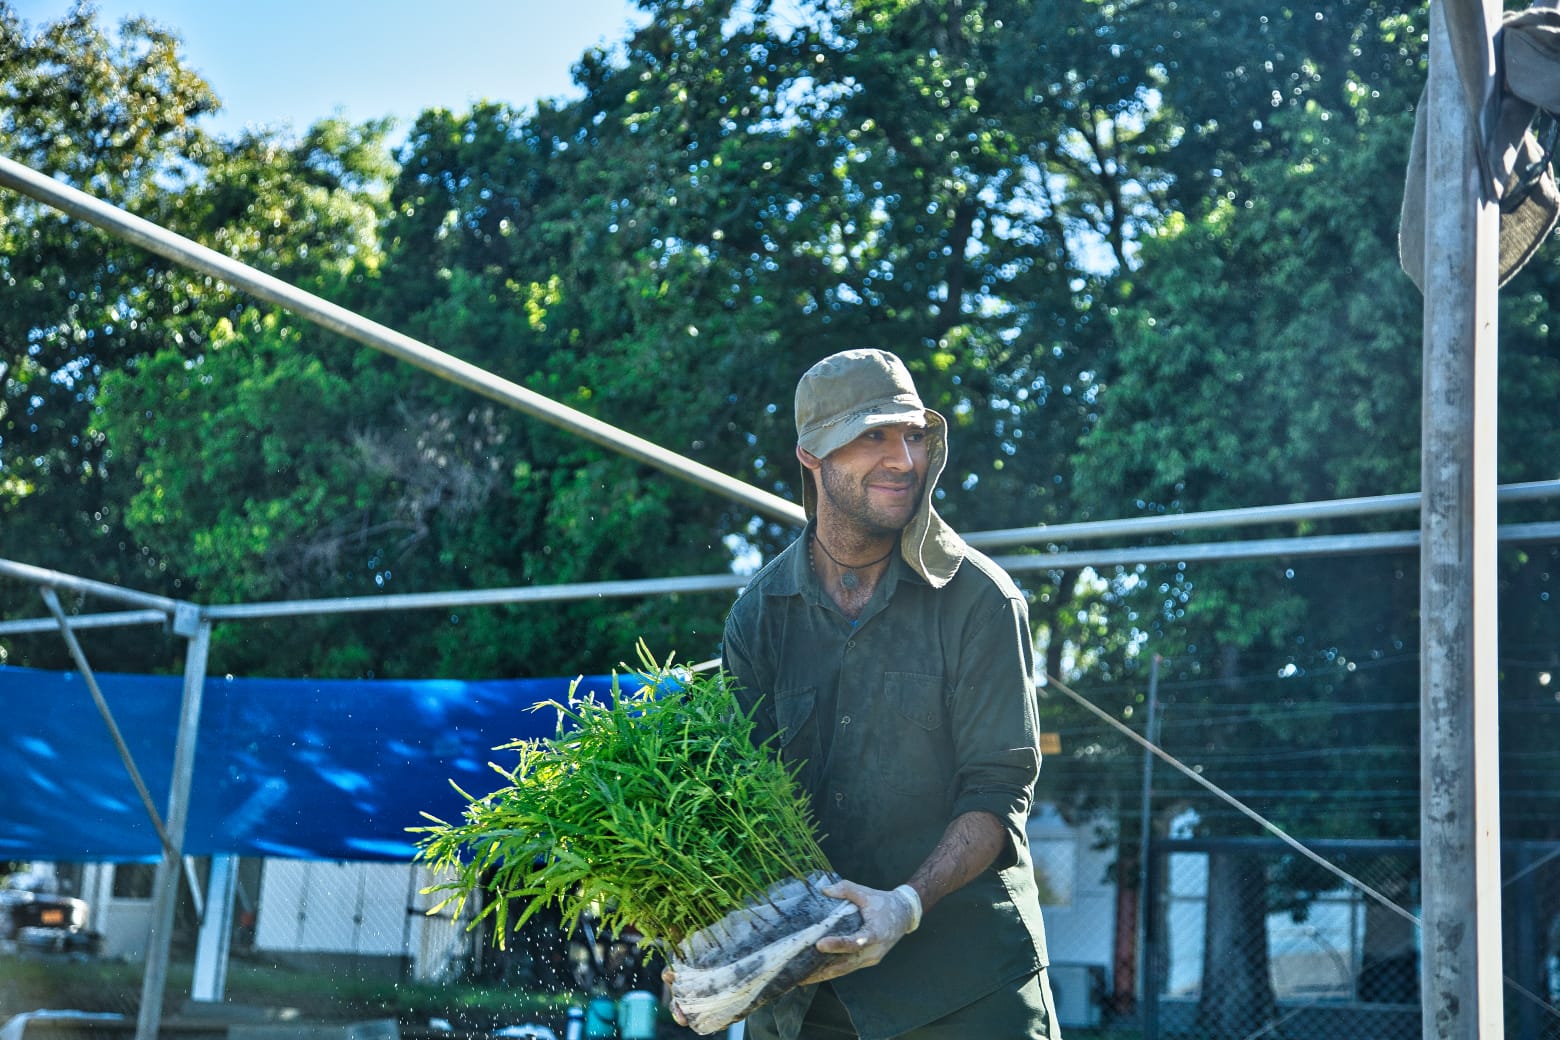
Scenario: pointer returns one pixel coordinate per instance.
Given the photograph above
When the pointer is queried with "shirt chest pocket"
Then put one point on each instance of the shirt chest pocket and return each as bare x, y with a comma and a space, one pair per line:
913, 754
917, 698
796, 717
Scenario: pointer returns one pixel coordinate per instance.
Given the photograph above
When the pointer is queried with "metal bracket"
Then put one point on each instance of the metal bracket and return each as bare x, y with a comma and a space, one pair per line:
186, 620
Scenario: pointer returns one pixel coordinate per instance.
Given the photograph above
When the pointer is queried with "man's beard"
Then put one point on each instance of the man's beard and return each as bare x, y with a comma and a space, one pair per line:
853, 503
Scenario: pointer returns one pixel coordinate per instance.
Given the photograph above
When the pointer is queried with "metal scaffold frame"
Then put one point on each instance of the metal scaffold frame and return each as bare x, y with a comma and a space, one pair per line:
1457, 538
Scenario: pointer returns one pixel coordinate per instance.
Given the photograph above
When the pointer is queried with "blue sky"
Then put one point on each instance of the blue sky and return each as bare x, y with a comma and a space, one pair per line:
290, 62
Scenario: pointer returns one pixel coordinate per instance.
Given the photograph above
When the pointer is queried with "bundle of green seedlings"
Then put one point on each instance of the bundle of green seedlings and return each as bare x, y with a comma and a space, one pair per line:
656, 811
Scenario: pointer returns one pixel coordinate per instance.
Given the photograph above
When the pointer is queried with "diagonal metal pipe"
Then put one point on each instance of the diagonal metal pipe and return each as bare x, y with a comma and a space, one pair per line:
52, 600
189, 253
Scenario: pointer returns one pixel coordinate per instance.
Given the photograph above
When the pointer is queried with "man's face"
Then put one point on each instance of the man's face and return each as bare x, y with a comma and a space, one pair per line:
875, 481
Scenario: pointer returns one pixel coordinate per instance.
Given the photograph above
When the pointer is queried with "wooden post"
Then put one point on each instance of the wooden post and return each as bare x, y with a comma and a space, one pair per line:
1459, 782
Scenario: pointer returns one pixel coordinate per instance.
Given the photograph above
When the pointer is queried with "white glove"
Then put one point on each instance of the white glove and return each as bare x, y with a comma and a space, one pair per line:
886, 917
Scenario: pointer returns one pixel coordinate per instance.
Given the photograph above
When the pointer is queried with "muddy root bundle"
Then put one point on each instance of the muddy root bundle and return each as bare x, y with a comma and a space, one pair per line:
757, 953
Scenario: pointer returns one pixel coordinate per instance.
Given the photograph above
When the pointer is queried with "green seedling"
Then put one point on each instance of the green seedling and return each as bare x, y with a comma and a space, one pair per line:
656, 811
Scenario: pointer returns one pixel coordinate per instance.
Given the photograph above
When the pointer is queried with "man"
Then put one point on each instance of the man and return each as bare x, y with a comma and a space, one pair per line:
893, 664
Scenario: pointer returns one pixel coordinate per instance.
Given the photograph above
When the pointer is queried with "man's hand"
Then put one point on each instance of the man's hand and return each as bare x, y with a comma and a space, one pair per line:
886, 917
669, 977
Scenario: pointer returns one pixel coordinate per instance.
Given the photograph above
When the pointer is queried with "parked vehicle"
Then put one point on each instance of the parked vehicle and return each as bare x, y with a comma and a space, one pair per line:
33, 918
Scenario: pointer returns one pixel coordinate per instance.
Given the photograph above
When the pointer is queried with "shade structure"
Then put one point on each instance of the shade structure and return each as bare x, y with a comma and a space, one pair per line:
296, 768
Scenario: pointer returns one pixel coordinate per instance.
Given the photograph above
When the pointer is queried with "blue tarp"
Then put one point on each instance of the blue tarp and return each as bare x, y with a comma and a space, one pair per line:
307, 769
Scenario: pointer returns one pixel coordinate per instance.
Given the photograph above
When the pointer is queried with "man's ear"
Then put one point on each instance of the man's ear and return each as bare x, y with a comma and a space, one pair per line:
808, 459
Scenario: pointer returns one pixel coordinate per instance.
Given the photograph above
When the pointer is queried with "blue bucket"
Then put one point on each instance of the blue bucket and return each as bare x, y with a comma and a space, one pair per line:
636, 1016
600, 1019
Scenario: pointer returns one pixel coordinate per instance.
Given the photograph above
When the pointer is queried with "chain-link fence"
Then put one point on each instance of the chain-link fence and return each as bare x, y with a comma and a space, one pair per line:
1246, 938
1242, 937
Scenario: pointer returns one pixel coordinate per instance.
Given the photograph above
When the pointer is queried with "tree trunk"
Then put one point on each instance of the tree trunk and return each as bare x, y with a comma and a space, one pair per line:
1123, 998
1389, 967
1237, 989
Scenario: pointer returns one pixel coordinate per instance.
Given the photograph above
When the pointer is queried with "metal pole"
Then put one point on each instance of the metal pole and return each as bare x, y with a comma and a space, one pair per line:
338, 319
1459, 784
1154, 941
52, 600
82, 622
58, 580
1302, 545
1151, 733
1227, 519
155, 978
1263, 548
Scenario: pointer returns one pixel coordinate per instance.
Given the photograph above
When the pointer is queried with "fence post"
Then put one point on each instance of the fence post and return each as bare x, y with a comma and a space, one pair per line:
1146, 819
1151, 903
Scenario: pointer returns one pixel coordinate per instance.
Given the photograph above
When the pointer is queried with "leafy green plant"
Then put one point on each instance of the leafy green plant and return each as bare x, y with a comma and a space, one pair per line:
657, 811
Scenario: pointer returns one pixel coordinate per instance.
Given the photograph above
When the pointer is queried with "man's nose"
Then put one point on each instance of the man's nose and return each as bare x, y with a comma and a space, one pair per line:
897, 454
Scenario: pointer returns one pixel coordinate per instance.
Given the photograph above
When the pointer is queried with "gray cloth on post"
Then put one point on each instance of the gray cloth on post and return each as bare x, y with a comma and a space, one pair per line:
1521, 178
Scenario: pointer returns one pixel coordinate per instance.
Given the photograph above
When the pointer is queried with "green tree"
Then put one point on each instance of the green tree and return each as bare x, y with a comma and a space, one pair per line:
118, 116
1267, 350
1240, 360
1258, 349
1225, 75
114, 117
738, 196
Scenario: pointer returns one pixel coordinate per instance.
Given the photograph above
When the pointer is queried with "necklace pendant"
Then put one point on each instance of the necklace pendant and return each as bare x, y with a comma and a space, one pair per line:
848, 581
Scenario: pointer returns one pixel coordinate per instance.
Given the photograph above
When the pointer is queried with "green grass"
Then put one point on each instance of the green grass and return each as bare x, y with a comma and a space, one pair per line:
33, 982
30, 983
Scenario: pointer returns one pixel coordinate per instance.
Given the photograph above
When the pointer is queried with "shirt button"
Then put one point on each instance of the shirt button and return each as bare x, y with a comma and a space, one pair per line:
844, 720
850, 644
839, 797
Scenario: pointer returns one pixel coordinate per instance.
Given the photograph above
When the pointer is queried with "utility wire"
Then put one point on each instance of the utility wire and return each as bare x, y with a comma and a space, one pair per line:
1284, 836
1525, 871
1236, 803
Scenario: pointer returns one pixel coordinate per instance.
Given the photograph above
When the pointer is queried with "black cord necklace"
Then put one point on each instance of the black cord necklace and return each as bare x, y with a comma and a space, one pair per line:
848, 580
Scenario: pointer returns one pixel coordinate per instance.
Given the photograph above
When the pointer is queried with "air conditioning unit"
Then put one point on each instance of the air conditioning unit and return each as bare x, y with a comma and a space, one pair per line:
1078, 990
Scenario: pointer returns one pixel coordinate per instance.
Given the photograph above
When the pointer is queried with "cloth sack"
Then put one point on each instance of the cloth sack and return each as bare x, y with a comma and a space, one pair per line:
1518, 167
758, 953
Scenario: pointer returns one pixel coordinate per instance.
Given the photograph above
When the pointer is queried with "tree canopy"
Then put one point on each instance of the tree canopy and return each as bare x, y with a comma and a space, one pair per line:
1141, 255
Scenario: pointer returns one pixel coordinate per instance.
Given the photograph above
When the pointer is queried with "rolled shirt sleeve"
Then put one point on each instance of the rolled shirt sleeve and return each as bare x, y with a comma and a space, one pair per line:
994, 720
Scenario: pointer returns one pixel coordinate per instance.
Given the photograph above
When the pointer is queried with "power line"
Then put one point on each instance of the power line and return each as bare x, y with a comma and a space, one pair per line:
1245, 810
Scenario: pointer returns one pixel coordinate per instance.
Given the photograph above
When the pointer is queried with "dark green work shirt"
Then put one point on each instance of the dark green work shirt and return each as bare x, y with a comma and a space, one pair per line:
918, 712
